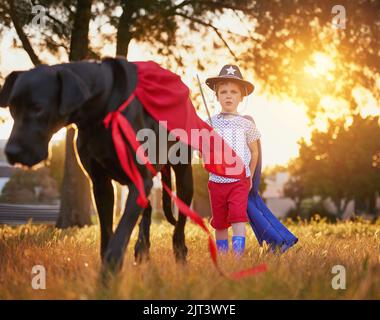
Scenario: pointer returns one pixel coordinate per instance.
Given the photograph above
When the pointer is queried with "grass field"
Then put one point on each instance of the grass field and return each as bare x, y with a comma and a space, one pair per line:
71, 260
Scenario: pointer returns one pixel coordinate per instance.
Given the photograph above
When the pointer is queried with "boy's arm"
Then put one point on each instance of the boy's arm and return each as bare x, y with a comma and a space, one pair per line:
253, 147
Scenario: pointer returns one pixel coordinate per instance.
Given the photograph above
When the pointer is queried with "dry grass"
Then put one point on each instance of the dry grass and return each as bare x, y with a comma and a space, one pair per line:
71, 259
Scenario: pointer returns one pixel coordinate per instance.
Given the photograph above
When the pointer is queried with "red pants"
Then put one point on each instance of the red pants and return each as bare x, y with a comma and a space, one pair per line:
228, 202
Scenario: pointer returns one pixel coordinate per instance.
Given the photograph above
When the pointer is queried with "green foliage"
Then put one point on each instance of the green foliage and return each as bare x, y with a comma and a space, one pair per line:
286, 36
342, 163
30, 186
310, 208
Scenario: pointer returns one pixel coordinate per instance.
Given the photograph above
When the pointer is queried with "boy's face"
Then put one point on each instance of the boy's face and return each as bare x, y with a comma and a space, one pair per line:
229, 96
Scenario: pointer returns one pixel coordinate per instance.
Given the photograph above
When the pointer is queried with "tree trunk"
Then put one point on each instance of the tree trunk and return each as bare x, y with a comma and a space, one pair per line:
344, 205
76, 204
79, 34
360, 205
341, 205
338, 205
372, 204
124, 35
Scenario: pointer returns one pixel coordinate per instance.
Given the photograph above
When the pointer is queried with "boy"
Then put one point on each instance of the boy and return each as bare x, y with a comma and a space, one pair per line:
229, 197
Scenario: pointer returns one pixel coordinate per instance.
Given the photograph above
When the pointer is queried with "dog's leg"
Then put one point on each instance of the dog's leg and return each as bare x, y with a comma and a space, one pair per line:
143, 243
103, 193
113, 258
166, 178
184, 184
104, 198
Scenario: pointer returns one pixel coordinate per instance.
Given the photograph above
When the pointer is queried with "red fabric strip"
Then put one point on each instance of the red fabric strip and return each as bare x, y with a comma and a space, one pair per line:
117, 121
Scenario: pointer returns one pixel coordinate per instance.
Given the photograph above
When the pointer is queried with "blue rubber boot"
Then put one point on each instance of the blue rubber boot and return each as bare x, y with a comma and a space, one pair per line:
222, 246
238, 245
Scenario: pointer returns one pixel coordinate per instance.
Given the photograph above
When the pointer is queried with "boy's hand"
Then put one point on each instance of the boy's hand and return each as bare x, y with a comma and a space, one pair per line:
250, 183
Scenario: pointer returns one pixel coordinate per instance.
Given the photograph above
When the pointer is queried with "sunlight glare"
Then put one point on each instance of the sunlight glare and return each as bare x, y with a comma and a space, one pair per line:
323, 65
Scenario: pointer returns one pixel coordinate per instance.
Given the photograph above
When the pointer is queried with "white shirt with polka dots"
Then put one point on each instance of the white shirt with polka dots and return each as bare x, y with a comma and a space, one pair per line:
238, 132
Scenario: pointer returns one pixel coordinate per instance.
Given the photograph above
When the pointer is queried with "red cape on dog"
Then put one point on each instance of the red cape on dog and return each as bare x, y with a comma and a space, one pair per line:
166, 98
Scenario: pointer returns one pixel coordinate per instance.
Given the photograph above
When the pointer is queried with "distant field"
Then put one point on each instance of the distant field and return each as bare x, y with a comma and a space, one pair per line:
71, 260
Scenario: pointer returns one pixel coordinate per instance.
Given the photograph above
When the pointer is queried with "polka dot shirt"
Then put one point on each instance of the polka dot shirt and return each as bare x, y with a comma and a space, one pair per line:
238, 132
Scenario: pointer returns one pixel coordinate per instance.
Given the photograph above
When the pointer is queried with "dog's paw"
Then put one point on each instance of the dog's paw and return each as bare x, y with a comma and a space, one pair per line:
180, 254
141, 252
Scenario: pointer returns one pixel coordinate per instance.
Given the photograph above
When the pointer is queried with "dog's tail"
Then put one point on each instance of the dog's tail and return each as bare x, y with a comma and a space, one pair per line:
166, 200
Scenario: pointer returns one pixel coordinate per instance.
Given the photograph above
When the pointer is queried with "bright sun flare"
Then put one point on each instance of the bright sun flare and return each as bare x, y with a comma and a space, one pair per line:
322, 66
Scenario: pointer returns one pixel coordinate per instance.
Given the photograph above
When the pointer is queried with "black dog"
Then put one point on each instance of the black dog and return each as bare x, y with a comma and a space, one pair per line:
47, 98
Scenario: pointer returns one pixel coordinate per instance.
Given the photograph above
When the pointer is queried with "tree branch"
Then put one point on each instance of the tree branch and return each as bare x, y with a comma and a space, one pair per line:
227, 5
182, 4
54, 43
210, 25
250, 36
22, 36
57, 21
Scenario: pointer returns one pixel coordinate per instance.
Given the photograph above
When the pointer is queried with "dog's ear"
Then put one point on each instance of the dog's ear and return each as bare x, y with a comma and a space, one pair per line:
6, 90
74, 92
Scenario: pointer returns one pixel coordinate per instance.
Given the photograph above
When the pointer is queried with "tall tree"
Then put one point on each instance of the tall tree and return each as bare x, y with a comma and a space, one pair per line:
76, 193
18, 15
342, 164
45, 31
69, 30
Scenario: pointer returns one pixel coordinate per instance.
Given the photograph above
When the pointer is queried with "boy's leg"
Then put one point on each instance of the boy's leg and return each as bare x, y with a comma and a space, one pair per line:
238, 229
238, 238
221, 236
238, 215
219, 215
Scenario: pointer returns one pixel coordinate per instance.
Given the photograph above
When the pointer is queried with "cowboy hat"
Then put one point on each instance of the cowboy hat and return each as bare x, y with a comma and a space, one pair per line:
232, 73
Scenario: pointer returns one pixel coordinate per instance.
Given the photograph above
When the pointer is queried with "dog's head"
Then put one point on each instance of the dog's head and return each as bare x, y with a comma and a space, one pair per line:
40, 101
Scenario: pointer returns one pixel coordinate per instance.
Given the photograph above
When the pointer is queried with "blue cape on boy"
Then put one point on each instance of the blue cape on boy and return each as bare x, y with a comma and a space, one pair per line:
264, 224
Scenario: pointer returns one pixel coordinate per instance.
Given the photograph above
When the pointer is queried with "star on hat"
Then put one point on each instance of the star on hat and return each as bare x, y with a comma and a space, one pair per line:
231, 70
